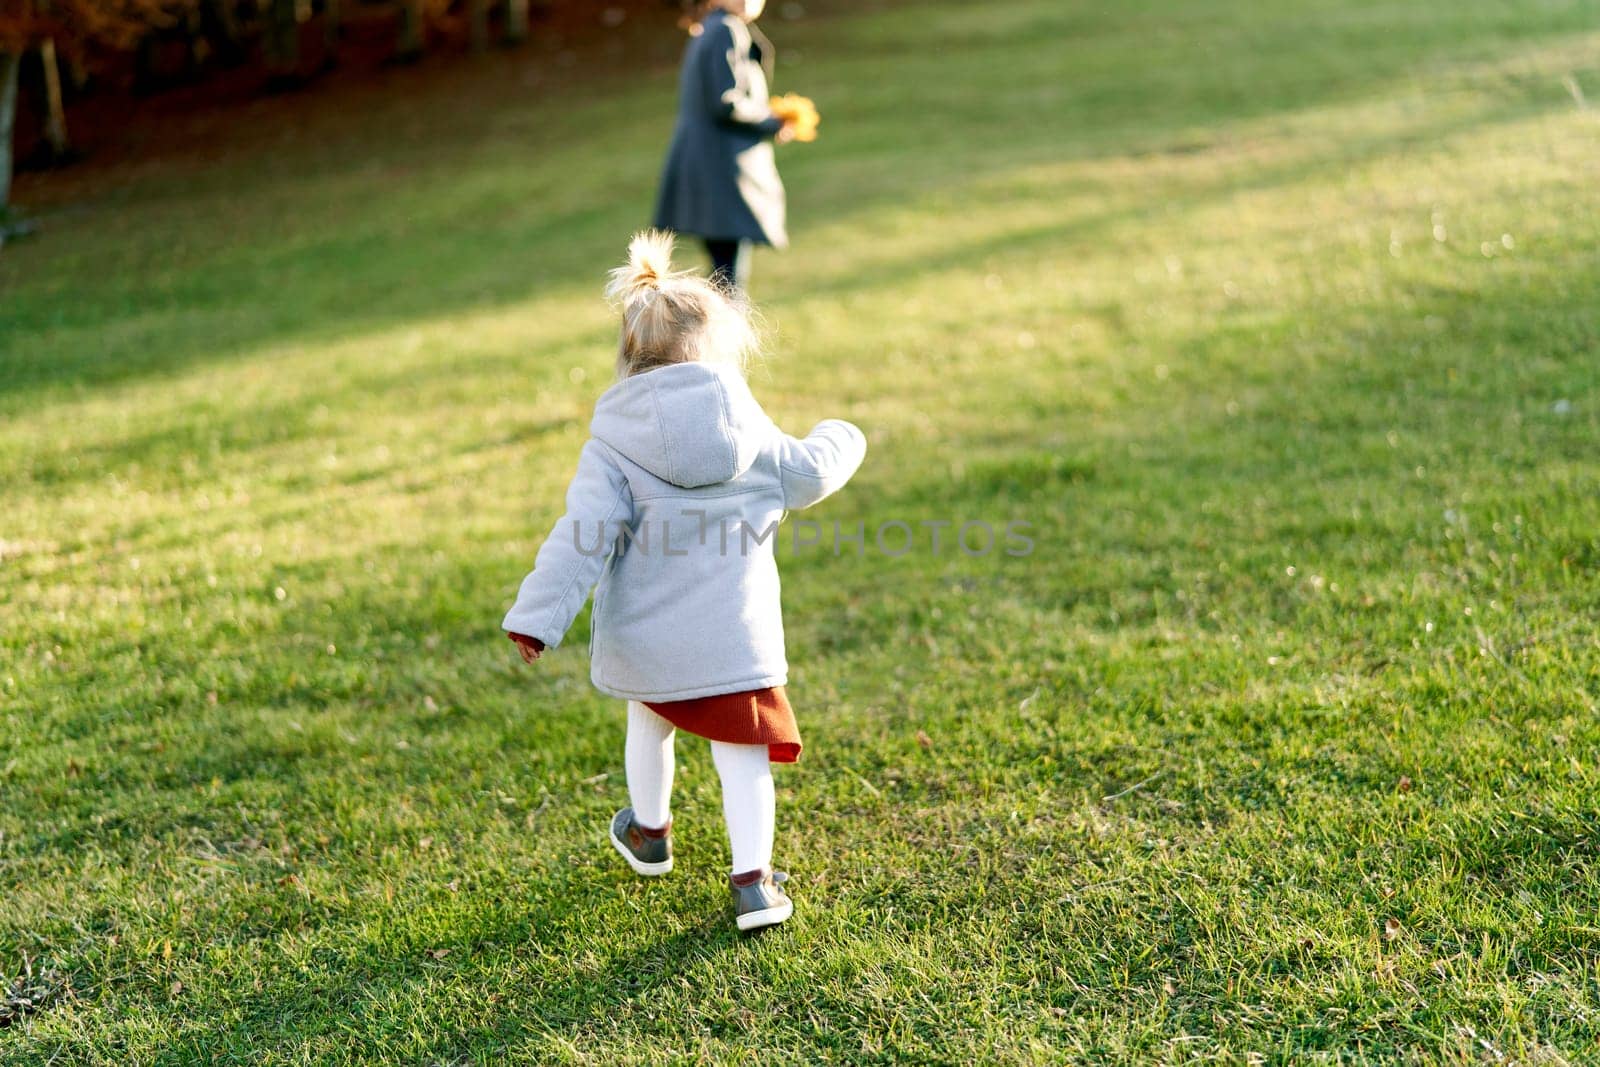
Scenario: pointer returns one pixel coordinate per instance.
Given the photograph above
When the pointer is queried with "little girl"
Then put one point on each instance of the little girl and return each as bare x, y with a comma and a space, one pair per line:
673, 512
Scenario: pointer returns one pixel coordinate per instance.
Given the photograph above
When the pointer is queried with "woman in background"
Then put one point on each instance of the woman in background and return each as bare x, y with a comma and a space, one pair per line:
720, 182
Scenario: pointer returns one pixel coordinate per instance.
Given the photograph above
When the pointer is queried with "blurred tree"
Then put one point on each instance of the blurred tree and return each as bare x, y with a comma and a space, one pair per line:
53, 27
55, 120
332, 28
516, 21
415, 15
280, 41
10, 65
220, 25
176, 39
408, 46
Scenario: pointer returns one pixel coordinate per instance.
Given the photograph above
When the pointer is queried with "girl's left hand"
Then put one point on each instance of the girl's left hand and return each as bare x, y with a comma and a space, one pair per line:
530, 647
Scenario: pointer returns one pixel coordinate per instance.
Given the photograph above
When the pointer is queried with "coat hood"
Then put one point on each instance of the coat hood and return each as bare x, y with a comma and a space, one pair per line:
691, 424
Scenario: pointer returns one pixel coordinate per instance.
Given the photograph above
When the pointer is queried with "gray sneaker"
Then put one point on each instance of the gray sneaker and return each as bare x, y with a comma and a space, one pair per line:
761, 902
648, 852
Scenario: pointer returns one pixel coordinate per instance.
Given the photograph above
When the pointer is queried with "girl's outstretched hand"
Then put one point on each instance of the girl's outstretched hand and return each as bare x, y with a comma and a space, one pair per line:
530, 647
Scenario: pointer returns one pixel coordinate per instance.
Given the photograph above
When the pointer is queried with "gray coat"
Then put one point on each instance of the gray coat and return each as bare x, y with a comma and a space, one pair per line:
687, 603
721, 180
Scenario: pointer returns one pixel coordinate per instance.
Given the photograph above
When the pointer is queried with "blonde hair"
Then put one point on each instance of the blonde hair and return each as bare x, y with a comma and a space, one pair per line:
675, 316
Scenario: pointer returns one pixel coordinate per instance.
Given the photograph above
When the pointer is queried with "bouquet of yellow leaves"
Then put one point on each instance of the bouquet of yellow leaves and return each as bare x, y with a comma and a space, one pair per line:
799, 112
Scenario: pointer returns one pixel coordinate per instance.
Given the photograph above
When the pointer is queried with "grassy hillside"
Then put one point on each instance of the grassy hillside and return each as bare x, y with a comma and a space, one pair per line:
1276, 322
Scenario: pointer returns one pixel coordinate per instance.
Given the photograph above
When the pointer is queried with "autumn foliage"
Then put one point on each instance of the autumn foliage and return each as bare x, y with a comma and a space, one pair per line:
74, 24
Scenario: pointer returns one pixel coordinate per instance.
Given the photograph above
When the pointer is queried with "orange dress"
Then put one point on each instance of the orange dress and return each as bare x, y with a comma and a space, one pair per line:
754, 717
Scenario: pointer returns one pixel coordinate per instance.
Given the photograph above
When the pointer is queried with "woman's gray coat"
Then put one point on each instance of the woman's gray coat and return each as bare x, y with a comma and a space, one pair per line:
721, 180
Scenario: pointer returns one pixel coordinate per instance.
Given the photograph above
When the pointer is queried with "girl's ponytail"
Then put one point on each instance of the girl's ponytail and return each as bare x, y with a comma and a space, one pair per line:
674, 316
649, 264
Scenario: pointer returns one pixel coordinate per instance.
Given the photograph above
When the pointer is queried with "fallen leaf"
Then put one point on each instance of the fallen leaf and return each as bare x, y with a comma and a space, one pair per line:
1391, 928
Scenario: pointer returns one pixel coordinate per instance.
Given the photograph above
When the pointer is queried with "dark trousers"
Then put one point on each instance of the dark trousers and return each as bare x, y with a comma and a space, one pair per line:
731, 260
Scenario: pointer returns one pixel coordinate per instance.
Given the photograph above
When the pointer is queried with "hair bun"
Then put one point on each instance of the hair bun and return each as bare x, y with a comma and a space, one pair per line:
649, 264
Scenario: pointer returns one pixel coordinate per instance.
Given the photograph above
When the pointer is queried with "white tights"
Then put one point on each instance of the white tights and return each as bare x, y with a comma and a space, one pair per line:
749, 803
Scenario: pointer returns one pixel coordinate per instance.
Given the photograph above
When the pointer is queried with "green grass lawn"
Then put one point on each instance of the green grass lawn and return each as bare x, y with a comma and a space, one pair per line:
1278, 323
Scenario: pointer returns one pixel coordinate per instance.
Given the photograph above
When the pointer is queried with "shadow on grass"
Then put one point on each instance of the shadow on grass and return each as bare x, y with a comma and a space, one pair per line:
466, 985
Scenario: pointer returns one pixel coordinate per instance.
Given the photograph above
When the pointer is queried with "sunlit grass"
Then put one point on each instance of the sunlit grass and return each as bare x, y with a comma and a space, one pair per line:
1277, 325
